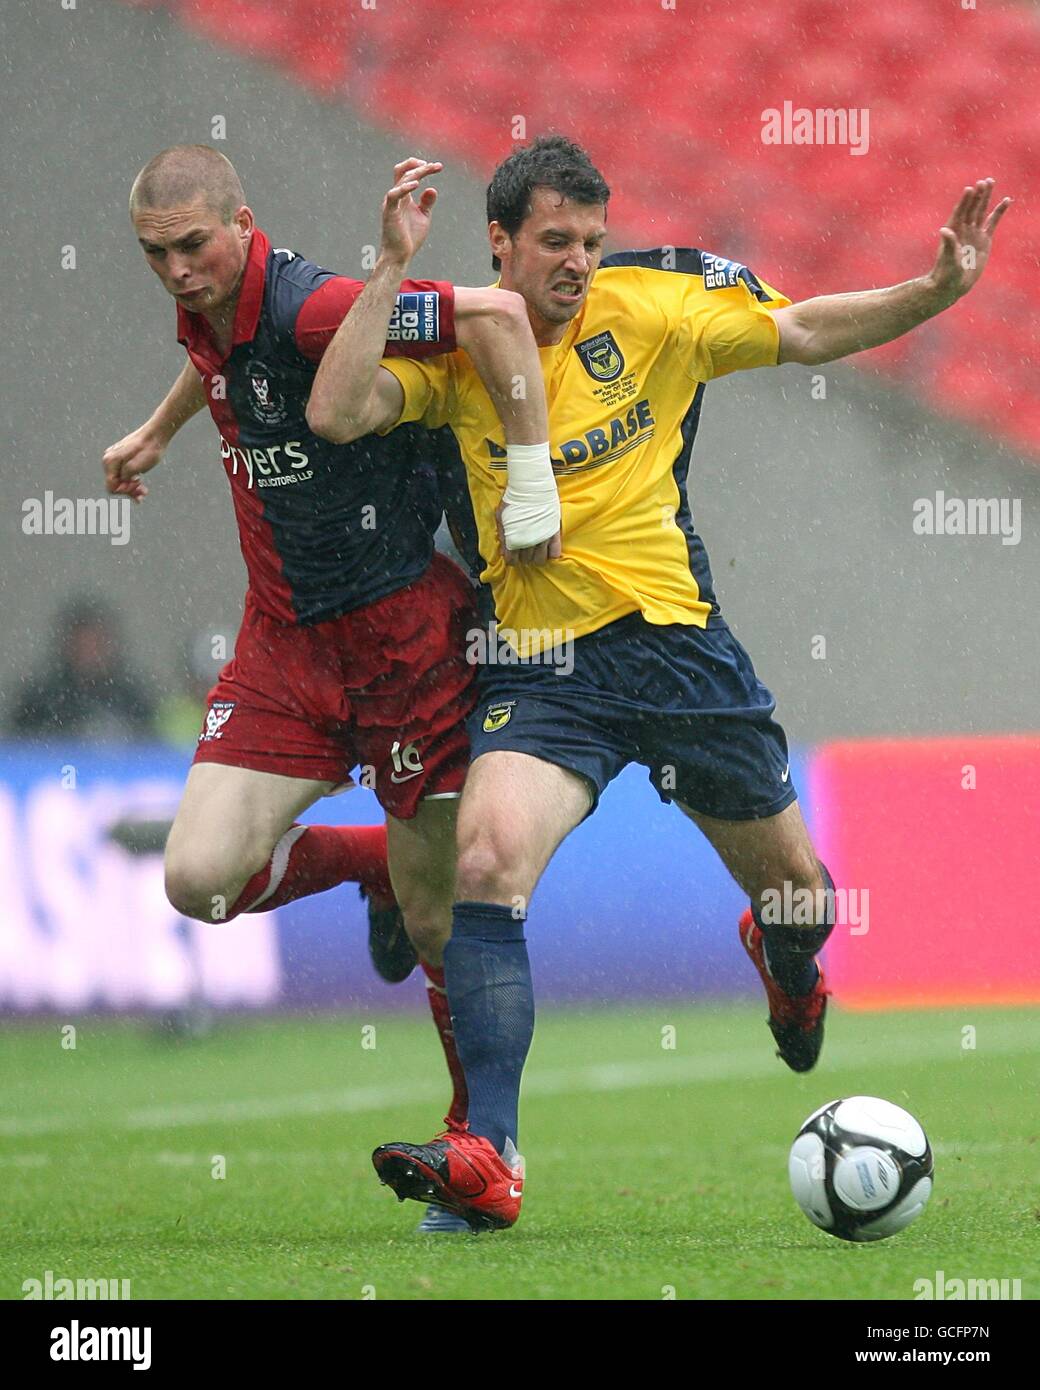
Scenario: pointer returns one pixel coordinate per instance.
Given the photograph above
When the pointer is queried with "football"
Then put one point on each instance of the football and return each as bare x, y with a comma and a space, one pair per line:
861, 1168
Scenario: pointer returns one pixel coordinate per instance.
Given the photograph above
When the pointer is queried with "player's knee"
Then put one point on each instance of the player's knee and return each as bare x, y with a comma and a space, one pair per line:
428, 929
205, 882
798, 886
806, 873
486, 870
425, 900
183, 897
196, 895
202, 890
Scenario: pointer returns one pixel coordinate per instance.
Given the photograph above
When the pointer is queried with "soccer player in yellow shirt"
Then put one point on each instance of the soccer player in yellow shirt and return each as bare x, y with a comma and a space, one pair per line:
614, 651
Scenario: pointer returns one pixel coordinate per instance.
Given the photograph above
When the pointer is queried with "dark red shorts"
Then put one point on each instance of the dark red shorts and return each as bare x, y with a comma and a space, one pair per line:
386, 688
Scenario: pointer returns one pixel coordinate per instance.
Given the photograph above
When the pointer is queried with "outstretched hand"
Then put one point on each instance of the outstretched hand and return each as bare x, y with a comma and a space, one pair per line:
966, 241
405, 221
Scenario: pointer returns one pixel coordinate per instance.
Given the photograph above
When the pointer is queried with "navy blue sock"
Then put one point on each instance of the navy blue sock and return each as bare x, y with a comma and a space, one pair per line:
488, 979
790, 949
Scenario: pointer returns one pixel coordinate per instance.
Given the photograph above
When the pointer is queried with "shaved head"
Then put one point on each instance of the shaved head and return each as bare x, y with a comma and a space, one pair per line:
188, 175
194, 228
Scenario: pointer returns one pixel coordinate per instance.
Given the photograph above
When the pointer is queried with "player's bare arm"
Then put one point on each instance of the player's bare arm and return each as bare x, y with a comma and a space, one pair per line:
833, 326
140, 451
352, 395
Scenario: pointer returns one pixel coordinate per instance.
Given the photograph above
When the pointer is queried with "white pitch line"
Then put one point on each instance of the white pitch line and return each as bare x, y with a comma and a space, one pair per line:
672, 1070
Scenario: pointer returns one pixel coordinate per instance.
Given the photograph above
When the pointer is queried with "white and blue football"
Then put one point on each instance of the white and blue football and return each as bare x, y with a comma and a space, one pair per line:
861, 1168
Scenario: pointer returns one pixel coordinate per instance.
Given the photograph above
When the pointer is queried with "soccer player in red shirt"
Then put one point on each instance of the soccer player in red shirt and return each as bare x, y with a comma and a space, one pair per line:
351, 648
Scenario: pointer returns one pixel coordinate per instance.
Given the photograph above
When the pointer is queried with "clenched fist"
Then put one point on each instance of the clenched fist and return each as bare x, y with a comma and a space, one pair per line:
125, 461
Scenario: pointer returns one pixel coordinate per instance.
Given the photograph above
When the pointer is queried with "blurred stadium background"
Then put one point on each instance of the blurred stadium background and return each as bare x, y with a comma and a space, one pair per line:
916, 724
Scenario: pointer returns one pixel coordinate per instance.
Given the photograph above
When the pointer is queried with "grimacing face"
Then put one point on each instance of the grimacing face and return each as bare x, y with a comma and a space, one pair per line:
553, 255
196, 254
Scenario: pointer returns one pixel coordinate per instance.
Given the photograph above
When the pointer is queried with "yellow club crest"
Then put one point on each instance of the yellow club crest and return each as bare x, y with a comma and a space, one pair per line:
497, 715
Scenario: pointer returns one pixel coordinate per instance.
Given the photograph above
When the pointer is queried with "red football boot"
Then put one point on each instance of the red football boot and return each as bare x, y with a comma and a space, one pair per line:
795, 1020
460, 1171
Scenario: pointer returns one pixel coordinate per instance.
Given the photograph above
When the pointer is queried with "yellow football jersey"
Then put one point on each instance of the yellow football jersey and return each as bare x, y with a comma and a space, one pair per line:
624, 388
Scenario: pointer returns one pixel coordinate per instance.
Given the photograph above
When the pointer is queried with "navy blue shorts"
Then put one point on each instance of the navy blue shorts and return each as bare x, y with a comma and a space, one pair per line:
683, 701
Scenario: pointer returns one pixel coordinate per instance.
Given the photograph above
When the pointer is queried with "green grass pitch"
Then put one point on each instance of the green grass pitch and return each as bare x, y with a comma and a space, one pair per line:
653, 1171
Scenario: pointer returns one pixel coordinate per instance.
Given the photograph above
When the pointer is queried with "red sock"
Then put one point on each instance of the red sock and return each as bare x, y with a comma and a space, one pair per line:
310, 858
438, 998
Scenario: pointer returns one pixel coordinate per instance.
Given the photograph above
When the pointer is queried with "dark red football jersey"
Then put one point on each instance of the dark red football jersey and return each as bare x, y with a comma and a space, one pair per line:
324, 528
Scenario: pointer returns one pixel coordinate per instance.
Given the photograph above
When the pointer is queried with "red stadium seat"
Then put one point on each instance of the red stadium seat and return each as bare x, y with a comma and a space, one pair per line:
671, 104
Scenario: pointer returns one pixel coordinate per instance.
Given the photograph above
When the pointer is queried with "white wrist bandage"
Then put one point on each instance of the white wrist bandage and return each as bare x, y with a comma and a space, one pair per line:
531, 503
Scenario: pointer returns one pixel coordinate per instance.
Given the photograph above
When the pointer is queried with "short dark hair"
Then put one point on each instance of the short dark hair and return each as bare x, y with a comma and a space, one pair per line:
551, 161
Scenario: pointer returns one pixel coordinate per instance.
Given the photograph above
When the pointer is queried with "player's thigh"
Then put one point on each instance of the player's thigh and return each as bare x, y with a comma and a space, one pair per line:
765, 853
228, 823
516, 810
421, 855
